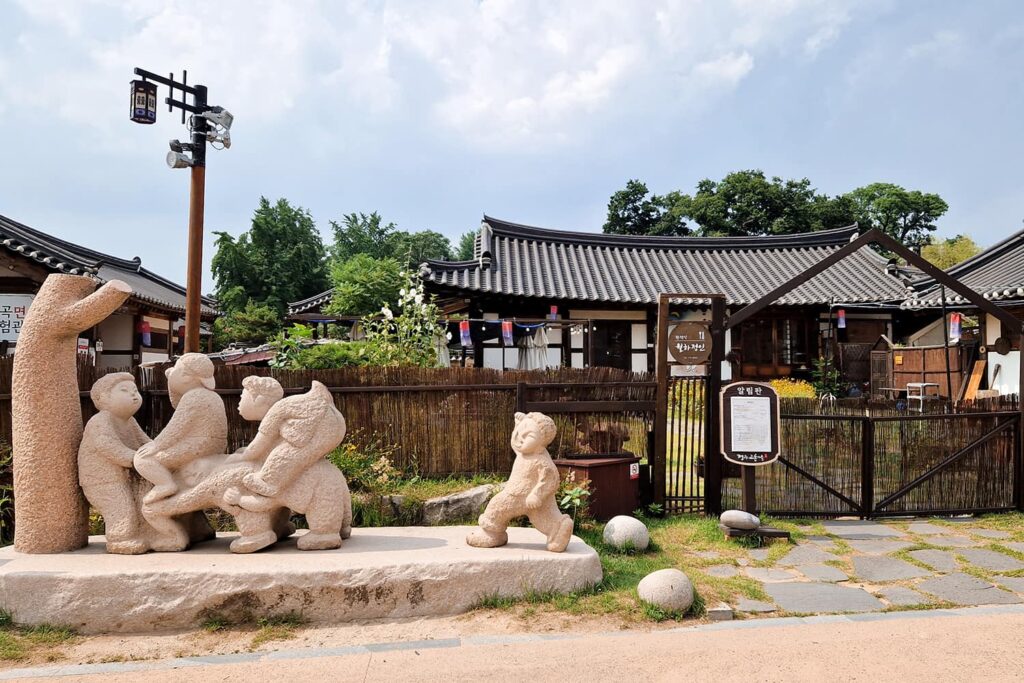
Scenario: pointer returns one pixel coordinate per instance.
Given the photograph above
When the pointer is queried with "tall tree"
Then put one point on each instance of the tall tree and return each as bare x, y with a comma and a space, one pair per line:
358, 233
467, 246
950, 251
632, 212
279, 259
417, 247
908, 216
362, 284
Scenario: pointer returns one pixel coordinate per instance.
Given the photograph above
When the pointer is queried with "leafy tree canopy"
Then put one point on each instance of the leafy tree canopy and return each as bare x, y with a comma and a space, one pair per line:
280, 259
358, 233
908, 216
417, 247
252, 325
467, 245
950, 251
750, 203
363, 283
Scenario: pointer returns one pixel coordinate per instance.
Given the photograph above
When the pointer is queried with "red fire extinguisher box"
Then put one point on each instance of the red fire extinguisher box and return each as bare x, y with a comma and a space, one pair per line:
614, 483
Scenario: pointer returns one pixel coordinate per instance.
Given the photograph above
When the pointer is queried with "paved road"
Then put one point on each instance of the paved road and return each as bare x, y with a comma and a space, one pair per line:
981, 643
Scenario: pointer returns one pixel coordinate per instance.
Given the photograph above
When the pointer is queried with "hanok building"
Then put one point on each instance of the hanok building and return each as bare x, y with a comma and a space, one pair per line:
998, 274
145, 329
603, 290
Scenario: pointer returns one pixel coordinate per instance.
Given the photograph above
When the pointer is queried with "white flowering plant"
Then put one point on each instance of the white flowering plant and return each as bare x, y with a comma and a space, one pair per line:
409, 334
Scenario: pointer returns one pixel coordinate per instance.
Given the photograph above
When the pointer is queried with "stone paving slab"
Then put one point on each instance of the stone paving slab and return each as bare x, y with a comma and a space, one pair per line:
902, 596
822, 572
963, 589
990, 533
858, 529
823, 542
1014, 583
991, 560
722, 571
1019, 547
805, 554
822, 597
754, 606
770, 575
878, 547
953, 541
706, 554
940, 560
881, 568
928, 529
759, 554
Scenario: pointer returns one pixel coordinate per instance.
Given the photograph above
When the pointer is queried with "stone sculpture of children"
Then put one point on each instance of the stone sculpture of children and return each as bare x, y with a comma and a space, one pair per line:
295, 432
105, 458
530, 490
288, 460
198, 428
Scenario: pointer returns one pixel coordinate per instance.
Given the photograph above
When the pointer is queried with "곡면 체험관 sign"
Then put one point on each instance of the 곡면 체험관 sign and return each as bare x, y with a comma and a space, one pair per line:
689, 343
750, 423
13, 308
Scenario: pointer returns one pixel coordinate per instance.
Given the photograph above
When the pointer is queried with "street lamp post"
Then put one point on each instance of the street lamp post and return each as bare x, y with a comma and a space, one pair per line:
206, 124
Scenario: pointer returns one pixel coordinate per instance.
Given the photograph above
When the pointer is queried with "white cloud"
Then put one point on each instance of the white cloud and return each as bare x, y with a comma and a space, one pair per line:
498, 74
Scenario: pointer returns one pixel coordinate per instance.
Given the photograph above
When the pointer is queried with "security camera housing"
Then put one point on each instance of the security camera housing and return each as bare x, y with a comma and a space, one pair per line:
178, 160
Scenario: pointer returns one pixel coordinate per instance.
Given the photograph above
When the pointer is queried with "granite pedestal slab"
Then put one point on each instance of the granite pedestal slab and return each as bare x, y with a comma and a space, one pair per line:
377, 573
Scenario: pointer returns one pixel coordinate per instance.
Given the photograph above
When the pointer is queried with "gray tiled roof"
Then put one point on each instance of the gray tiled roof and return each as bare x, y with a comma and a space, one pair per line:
526, 261
996, 273
65, 257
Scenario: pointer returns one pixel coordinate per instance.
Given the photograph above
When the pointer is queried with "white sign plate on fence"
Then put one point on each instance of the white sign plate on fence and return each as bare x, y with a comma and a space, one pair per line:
13, 308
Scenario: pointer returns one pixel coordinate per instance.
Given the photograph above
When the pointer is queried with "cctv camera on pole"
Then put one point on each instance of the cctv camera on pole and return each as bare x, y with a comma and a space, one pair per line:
207, 124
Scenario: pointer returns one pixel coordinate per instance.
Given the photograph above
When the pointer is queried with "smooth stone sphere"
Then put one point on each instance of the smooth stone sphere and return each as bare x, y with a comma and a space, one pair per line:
669, 589
626, 532
738, 519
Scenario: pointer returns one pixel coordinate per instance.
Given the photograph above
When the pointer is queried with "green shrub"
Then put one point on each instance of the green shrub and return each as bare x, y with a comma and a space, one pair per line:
368, 466
333, 355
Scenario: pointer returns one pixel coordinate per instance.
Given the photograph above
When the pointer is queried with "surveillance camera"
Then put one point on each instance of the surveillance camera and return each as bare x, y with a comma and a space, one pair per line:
219, 116
178, 160
223, 138
175, 146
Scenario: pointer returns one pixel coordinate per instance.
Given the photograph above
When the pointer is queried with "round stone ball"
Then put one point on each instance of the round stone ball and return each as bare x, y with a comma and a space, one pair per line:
669, 589
624, 532
738, 519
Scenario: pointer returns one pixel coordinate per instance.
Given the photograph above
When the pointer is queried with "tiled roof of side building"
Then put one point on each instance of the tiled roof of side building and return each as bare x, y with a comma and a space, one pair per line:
997, 273
527, 261
65, 257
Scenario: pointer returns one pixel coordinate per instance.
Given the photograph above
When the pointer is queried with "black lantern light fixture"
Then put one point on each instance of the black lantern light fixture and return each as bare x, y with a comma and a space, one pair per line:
143, 105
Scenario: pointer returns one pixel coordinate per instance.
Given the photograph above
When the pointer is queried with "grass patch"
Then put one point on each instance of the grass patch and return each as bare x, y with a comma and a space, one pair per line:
18, 643
674, 543
277, 627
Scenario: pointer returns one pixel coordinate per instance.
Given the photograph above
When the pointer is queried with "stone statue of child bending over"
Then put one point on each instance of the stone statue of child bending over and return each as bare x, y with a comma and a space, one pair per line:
105, 457
530, 490
294, 434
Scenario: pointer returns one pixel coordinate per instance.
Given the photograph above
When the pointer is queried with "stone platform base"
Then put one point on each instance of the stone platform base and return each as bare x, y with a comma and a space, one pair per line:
378, 573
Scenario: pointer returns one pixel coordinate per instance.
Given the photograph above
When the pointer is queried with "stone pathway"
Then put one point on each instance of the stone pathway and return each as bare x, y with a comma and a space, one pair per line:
870, 566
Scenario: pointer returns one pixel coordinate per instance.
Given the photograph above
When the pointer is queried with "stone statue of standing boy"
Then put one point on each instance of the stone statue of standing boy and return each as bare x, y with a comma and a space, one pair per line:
530, 490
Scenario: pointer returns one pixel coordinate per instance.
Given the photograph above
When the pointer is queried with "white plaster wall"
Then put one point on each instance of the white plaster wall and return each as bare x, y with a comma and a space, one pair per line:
116, 332
1008, 379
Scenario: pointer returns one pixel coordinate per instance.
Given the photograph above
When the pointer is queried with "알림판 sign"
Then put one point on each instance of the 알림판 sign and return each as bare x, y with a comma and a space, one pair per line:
750, 423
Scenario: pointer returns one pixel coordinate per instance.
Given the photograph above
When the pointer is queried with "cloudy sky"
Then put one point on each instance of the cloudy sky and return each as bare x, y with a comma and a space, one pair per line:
436, 112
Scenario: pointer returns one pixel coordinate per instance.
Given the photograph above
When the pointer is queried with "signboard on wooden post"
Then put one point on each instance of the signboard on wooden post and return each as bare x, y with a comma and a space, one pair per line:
690, 343
750, 423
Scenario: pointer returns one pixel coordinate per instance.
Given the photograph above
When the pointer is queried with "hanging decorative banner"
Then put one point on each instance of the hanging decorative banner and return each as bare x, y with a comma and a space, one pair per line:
506, 332
955, 326
145, 331
553, 315
464, 333
841, 316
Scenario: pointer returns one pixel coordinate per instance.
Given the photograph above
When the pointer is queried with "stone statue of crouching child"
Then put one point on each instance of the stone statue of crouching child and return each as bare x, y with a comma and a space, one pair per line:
288, 454
530, 490
105, 460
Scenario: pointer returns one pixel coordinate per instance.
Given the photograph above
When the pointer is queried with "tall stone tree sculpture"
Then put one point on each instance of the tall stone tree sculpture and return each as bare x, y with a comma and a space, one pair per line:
50, 511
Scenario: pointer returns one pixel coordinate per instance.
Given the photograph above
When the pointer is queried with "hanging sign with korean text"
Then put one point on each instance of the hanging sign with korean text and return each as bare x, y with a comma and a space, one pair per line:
689, 343
13, 308
750, 423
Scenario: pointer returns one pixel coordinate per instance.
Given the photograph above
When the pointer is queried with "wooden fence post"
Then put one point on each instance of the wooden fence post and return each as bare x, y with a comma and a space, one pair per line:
867, 467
